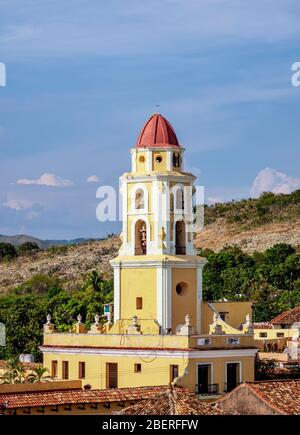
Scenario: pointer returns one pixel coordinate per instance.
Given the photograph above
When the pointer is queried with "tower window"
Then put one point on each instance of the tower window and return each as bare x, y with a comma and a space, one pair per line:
139, 199
139, 303
137, 368
180, 199
180, 238
180, 288
140, 238
158, 159
176, 160
142, 159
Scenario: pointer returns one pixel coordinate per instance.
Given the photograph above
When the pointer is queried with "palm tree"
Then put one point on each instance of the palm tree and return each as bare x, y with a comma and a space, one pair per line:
15, 372
39, 375
95, 280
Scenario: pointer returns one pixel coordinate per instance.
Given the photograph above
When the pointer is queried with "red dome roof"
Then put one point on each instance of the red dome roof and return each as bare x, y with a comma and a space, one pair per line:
157, 132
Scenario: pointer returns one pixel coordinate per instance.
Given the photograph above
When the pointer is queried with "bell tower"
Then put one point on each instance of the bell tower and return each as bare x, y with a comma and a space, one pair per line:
157, 275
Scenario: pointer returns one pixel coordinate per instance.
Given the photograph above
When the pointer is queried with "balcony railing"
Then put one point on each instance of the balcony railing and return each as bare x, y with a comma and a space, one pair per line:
180, 250
207, 389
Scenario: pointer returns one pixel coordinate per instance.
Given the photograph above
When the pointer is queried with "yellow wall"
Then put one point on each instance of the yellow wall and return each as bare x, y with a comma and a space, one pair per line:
272, 333
219, 370
184, 303
237, 312
160, 167
141, 165
154, 370
138, 283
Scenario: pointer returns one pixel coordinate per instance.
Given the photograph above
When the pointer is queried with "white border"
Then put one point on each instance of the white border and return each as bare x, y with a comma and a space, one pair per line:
158, 353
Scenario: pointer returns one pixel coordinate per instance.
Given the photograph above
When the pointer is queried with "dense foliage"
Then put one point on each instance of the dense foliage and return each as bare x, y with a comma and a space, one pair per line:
270, 279
7, 252
24, 310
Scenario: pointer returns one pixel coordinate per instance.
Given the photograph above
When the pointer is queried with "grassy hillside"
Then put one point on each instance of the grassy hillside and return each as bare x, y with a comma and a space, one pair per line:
252, 224
68, 263
251, 213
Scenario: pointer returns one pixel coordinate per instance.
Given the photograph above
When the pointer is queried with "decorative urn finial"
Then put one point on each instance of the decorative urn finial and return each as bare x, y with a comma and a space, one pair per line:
187, 320
134, 321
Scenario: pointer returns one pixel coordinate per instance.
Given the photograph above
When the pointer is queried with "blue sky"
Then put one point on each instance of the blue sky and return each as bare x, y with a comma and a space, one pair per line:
83, 77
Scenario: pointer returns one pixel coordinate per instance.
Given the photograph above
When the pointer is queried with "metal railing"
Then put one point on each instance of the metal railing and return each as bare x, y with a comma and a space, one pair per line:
207, 389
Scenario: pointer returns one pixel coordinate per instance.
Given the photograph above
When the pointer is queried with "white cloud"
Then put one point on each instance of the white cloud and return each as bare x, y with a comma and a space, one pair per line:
93, 179
18, 204
47, 179
270, 180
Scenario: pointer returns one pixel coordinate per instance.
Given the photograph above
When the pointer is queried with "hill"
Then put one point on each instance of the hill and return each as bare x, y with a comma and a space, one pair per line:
252, 224
43, 244
69, 263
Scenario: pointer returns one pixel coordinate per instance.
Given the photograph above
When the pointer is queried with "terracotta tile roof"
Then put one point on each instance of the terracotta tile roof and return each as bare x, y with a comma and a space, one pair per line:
287, 317
76, 396
172, 401
263, 325
281, 395
27, 365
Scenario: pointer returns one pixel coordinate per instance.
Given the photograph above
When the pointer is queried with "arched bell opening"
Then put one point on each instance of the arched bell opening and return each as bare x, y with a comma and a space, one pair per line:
179, 199
140, 237
180, 245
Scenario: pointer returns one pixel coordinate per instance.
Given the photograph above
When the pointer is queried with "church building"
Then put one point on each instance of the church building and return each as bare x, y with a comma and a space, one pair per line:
158, 330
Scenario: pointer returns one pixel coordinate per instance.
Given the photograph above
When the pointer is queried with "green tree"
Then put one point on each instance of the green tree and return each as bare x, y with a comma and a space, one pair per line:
14, 372
278, 253
7, 251
39, 284
28, 248
39, 374
94, 280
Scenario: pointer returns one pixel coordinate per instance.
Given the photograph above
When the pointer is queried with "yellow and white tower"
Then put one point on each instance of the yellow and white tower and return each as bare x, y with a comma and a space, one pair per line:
163, 332
157, 275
